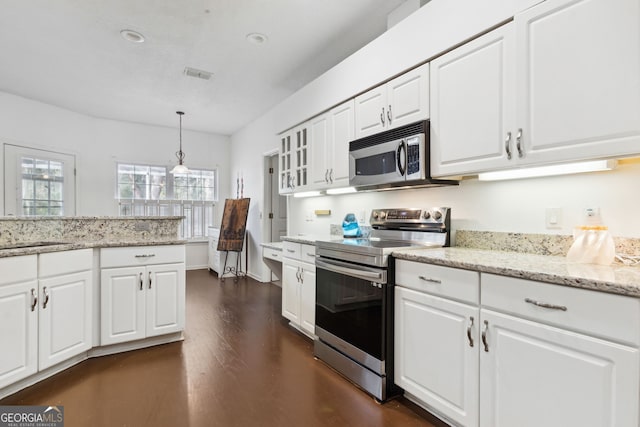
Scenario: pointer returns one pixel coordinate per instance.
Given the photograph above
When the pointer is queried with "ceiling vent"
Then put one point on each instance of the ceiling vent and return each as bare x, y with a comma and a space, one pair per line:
200, 74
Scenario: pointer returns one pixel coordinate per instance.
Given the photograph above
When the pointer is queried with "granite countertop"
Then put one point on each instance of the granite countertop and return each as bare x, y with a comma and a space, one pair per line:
617, 278
272, 245
310, 239
84, 244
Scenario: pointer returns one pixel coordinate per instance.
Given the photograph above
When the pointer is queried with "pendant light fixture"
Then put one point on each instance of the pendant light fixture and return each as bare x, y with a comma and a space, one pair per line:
180, 167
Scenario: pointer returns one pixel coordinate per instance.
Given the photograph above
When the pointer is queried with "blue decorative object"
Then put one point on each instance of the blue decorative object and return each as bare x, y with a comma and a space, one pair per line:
350, 227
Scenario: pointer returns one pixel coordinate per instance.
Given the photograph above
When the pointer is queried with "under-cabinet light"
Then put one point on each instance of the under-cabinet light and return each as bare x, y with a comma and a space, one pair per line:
562, 169
343, 190
307, 194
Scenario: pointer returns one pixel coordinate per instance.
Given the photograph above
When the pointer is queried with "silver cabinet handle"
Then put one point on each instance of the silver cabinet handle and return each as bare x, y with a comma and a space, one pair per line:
46, 297
469, 331
545, 305
311, 255
302, 276
141, 281
298, 274
34, 299
149, 280
507, 145
382, 117
389, 114
430, 280
326, 176
519, 143
145, 255
331, 176
484, 335
290, 250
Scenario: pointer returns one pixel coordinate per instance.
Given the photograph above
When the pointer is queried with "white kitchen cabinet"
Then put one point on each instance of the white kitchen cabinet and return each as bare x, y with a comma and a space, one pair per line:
330, 134
299, 286
285, 183
398, 102
142, 292
472, 105
18, 318
557, 356
212, 253
437, 339
65, 281
540, 90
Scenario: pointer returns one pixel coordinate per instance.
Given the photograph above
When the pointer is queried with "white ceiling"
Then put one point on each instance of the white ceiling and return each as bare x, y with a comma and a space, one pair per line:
69, 53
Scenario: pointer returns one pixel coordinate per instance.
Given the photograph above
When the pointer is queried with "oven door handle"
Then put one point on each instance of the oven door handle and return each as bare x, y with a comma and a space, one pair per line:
348, 269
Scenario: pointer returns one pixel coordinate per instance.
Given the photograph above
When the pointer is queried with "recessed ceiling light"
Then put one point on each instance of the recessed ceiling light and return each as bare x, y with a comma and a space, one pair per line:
257, 38
132, 36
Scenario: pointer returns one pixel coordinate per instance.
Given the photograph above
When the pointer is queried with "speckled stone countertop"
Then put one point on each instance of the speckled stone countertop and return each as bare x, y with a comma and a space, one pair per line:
617, 278
25, 235
310, 239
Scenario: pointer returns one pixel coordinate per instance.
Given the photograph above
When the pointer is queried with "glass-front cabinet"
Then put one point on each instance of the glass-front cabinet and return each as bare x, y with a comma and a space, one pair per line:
294, 159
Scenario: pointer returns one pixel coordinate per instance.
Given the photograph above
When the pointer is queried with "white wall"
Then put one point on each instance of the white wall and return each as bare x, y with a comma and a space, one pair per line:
98, 144
508, 206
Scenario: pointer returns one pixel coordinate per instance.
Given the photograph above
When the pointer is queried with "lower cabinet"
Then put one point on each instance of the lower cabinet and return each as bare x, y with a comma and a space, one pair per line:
213, 254
532, 354
45, 311
144, 300
299, 286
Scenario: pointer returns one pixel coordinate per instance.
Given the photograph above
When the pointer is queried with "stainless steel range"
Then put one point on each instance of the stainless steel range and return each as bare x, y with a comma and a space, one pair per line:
354, 294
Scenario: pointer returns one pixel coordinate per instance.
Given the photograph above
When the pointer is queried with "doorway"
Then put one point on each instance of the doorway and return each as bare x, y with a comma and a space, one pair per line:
275, 213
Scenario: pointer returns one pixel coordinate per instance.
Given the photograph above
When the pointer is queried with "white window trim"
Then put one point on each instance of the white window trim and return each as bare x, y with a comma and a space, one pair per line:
13, 177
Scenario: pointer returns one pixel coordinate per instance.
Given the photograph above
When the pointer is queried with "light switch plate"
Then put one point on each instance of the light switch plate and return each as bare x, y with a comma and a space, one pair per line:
553, 218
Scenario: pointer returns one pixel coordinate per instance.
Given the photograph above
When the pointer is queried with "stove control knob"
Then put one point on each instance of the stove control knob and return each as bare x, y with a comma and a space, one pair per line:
427, 215
383, 214
437, 215
374, 214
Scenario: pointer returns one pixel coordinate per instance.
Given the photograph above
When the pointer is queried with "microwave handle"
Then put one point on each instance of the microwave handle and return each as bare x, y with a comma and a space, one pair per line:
401, 157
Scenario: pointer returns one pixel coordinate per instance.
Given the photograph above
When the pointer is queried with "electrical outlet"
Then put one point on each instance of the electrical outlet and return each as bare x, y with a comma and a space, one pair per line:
553, 218
591, 212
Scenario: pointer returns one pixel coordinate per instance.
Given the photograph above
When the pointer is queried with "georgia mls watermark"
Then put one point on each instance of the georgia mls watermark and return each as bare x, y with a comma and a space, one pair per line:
31, 416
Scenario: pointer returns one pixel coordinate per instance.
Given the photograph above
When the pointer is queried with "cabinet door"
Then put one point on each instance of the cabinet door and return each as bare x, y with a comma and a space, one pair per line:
165, 294
319, 135
65, 318
472, 103
122, 304
537, 375
18, 331
370, 112
342, 132
408, 97
436, 353
286, 152
579, 79
308, 300
291, 291
301, 175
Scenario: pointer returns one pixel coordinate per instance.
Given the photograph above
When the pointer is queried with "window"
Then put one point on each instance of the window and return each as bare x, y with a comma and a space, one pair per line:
151, 190
38, 182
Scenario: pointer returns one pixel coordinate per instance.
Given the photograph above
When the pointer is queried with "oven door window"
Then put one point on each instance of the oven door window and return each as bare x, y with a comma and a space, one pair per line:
351, 309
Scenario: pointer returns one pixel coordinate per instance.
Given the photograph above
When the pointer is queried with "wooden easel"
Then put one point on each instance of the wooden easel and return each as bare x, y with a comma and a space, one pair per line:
232, 234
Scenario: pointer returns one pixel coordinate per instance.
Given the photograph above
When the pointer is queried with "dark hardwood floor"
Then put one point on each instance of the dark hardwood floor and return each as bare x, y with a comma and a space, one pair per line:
239, 365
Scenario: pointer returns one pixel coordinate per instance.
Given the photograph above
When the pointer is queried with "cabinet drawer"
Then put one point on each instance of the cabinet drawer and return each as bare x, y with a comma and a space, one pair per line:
308, 253
17, 269
454, 283
291, 250
599, 314
271, 253
66, 262
141, 255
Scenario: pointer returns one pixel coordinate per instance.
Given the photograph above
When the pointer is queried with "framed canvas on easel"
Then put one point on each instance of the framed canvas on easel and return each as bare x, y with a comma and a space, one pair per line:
232, 232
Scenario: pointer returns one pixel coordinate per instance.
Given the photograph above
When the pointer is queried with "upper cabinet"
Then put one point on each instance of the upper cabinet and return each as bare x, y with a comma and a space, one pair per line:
398, 102
330, 136
294, 159
547, 88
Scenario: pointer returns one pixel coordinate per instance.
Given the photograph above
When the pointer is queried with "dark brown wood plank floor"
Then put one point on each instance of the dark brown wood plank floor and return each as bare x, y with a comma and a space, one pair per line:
239, 365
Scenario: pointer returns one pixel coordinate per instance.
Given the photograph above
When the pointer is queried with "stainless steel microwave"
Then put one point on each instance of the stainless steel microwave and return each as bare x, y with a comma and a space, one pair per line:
394, 158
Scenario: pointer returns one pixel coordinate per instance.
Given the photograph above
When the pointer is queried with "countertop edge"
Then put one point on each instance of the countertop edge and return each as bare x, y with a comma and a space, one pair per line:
35, 250
617, 279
